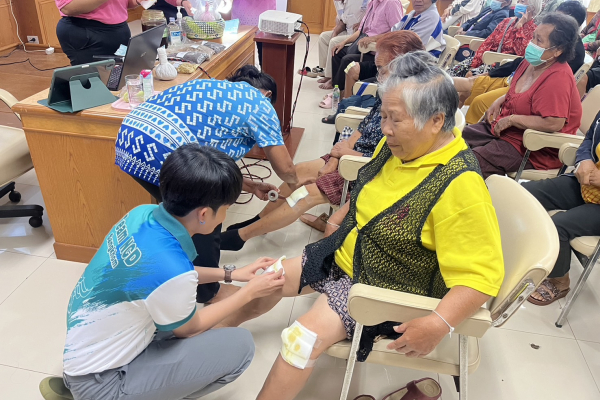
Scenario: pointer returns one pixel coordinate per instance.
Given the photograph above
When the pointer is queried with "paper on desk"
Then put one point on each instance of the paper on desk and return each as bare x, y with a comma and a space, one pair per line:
147, 3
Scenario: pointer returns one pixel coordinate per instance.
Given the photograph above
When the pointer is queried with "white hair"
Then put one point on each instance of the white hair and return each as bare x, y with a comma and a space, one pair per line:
535, 6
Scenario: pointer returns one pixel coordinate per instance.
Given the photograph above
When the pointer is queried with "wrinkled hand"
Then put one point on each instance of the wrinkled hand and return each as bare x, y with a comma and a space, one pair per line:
328, 168
494, 110
337, 48
265, 284
420, 336
501, 125
594, 177
364, 42
247, 273
445, 15
584, 170
460, 31
356, 26
262, 189
340, 148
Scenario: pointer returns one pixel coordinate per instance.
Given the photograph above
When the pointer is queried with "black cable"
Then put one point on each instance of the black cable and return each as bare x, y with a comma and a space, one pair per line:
307, 35
8, 55
27, 60
252, 176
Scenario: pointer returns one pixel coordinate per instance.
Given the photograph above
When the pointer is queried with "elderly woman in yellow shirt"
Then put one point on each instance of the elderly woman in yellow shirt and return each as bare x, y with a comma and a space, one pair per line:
420, 220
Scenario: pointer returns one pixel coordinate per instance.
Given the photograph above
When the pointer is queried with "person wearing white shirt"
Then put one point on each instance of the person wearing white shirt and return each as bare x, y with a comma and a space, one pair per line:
460, 11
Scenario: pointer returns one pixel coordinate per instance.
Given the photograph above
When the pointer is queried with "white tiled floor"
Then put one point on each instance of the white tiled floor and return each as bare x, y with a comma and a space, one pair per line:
35, 287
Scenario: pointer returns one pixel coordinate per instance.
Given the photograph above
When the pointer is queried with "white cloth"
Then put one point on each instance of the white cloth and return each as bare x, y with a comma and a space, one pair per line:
464, 13
350, 12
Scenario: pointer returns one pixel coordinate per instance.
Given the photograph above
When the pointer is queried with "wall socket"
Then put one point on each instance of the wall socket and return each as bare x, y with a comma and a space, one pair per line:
33, 40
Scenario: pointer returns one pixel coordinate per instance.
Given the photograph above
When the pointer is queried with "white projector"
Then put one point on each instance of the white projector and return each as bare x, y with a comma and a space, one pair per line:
279, 22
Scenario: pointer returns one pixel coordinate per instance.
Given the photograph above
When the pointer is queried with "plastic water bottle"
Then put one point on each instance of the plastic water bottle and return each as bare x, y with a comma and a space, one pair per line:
335, 99
174, 33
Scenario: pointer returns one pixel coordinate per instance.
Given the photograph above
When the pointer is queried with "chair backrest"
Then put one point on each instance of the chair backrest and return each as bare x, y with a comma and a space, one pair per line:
590, 108
449, 52
9, 100
475, 44
466, 39
453, 29
529, 243
491, 57
460, 121
582, 71
368, 88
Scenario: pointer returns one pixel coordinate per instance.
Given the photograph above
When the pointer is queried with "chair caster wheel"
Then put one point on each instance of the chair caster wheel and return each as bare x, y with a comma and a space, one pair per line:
36, 222
14, 196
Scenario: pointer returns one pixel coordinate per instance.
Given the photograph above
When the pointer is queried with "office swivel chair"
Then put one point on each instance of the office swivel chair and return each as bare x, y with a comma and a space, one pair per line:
15, 161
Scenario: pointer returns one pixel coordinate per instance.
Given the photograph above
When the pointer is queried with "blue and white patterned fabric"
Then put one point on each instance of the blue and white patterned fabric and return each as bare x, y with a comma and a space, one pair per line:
428, 25
130, 289
229, 116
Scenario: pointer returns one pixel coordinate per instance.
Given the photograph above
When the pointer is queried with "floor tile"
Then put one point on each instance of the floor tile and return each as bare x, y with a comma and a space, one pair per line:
28, 178
535, 319
14, 270
16, 235
33, 318
20, 384
591, 352
584, 317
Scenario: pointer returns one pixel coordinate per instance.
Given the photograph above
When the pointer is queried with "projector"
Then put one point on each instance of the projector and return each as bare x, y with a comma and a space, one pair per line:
279, 22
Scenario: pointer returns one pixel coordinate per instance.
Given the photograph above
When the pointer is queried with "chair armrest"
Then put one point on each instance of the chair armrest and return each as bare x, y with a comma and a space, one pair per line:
371, 305
491, 57
370, 89
8, 98
465, 39
349, 165
475, 44
453, 29
567, 154
352, 110
535, 140
369, 48
349, 120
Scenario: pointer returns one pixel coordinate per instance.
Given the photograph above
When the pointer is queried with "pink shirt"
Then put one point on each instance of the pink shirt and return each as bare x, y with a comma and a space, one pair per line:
248, 11
112, 12
381, 15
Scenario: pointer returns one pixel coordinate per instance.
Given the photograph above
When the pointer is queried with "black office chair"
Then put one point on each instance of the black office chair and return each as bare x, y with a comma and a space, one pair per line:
14, 162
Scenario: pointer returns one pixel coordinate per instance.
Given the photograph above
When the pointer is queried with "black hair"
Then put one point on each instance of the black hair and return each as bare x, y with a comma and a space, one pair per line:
250, 74
196, 176
575, 9
564, 35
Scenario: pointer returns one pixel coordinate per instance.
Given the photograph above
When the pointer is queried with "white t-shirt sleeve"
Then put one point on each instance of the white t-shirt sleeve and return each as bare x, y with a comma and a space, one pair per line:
173, 303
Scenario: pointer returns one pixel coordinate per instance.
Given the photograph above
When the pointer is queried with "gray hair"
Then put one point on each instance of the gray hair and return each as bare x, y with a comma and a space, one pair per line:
536, 7
427, 89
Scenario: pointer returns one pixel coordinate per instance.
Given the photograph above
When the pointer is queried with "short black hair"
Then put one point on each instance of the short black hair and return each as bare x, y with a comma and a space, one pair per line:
564, 36
250, 74
575, 9
195, 176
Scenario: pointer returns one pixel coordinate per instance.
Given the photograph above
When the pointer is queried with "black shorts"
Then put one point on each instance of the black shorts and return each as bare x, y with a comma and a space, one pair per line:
368, 70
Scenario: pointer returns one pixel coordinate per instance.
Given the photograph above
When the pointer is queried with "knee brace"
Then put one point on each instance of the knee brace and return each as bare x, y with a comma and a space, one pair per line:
297, 344
296, 196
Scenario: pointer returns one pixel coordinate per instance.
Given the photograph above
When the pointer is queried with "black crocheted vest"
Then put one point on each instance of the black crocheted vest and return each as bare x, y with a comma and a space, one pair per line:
388, 251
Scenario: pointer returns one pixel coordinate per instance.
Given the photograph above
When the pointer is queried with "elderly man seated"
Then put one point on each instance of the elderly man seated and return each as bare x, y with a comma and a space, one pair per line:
420, 220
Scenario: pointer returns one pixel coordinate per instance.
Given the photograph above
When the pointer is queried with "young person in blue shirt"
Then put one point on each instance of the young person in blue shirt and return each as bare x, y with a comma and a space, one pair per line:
142, 281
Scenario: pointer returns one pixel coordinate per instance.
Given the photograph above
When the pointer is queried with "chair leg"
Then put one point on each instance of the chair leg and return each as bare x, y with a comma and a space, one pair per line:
351, 361
344, 192
522, 166
587, 269
463, 348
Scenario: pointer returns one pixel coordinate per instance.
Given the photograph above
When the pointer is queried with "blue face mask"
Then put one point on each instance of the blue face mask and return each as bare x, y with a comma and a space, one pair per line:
520, 10
533, 54
495, 5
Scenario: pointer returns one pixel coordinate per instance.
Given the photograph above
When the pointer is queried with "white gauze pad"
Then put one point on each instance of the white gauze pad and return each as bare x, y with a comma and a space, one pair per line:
298, 195
276, 267
297, 345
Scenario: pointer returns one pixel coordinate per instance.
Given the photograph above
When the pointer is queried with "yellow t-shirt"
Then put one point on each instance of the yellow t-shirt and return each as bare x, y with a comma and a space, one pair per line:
462, 227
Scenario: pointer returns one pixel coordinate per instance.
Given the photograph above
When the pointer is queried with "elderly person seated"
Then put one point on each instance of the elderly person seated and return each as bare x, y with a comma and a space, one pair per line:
481, 91
542, 96
510, 37
323, 171
421, 195
579, 195
380, 17
460, 11
349, 14
590, 79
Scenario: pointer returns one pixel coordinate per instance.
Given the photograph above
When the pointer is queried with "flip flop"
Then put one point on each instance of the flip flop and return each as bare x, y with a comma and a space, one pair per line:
53, 388
326, 102
307, 72
549, 293
423, 389
319, 223
319, 71
330, 119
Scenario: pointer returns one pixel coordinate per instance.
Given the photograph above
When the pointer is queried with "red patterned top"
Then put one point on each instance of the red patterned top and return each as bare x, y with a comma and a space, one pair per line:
515, 40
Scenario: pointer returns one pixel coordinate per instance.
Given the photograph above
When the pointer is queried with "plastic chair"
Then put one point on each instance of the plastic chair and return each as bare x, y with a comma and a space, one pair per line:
447, 56
530, 246
491, 57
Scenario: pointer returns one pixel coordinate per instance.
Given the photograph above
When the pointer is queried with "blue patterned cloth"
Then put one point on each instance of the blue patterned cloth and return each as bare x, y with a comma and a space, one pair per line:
370, 129
231, 117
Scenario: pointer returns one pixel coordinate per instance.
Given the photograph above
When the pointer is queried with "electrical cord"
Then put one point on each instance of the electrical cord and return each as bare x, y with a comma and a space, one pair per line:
18, 36
307, 36
27, 60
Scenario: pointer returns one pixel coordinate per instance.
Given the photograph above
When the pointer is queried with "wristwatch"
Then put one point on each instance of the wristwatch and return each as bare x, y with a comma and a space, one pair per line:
228, 270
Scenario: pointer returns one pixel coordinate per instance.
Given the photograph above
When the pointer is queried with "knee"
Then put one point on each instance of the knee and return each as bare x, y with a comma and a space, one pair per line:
354, 72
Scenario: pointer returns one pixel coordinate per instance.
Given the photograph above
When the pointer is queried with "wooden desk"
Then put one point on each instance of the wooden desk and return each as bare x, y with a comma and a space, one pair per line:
74, 156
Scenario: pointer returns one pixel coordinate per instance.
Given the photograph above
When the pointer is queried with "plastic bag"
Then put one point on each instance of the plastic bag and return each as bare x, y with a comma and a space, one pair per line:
216, 47
204, 6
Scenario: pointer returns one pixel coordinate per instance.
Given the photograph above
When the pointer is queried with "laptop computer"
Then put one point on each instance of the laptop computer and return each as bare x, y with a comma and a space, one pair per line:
141, 54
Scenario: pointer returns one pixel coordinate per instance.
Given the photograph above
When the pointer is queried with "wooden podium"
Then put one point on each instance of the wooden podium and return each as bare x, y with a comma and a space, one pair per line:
278, 61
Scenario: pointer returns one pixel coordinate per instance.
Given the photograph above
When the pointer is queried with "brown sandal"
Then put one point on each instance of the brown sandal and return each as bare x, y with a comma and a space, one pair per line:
549, 293
319, 223
423, 389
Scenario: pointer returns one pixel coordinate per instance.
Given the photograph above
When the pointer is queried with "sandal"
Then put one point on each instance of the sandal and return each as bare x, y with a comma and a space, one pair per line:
53, 388
307, 72
549, 293
319, 71
327, 101
423, 389
330, 119
319, 223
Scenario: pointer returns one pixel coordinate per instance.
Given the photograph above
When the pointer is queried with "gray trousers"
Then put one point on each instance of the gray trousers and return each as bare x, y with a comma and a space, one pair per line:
172, 369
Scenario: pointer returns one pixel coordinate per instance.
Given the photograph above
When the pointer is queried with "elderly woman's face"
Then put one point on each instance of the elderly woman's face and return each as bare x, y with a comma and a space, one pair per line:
541, 38
404, 140
421, 5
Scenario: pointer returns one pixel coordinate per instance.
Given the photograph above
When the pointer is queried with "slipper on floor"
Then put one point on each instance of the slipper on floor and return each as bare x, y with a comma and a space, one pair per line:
423, 389
326, 102
330, 119
319, 71
53, 388
549, 293
307, 72
319, 223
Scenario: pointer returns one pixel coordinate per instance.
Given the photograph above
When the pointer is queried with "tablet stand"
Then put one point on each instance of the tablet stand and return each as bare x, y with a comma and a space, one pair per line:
87, 91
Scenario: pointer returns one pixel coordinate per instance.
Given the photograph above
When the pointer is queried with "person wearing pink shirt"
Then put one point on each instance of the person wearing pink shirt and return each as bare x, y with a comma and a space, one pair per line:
95, 27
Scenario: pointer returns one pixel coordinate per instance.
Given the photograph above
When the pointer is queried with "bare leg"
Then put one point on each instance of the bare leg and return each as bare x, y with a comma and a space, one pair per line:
284, 215
351, 79
463, 86
285, 381
582, 85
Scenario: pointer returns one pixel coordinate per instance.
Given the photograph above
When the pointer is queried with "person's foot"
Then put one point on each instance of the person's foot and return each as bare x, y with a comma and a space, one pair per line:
327, 85
324, 79
243, 224
231, 240
53, 388
550, 290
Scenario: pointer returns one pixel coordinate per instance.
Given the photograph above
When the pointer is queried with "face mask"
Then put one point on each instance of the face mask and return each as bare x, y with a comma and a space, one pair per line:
495, 5
520, 10
533, 54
